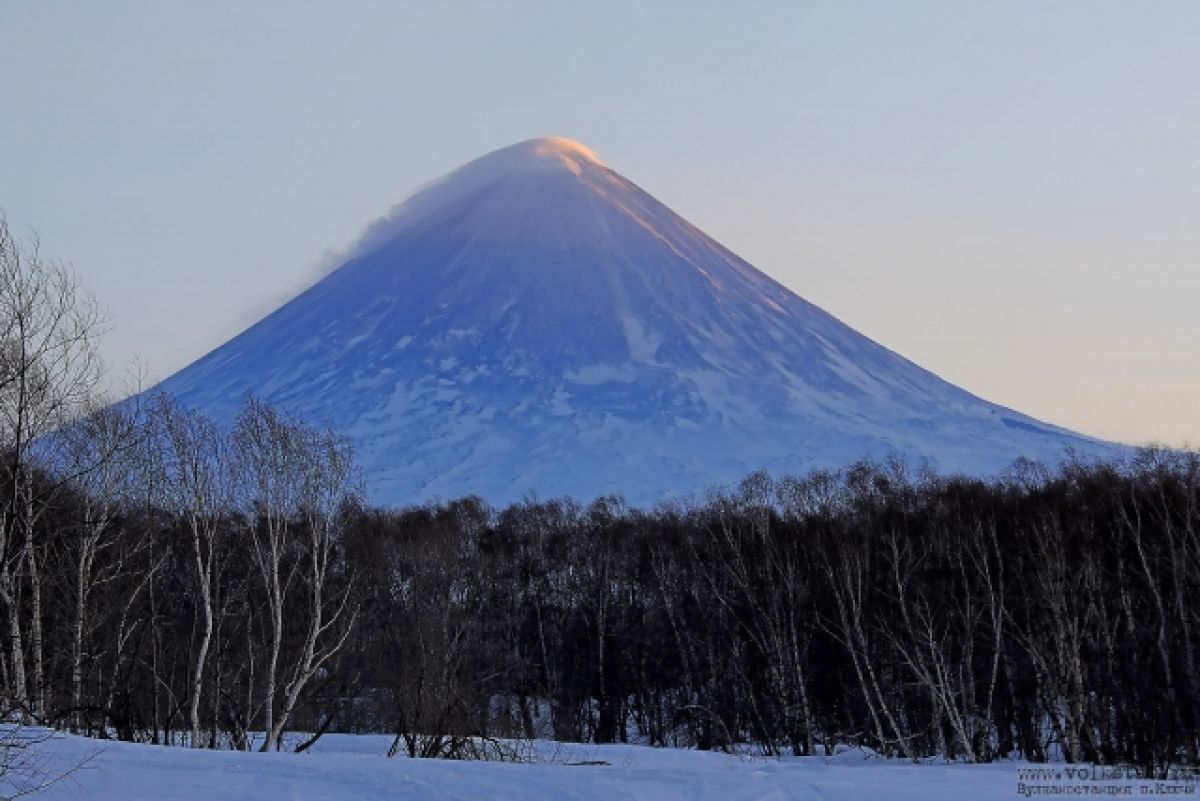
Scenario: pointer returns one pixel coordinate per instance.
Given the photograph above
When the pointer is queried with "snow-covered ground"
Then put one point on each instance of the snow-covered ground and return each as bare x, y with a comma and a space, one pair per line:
355, 768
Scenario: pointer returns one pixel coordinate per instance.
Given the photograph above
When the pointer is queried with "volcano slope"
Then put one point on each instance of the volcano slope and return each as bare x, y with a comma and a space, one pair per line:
534, 321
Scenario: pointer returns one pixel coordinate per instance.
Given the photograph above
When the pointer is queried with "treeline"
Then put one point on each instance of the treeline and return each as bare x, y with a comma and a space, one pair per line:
167, 579
173, 581
1045, 615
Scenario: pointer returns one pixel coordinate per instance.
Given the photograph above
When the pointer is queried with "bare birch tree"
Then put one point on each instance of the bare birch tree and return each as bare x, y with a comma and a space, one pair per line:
98, 459
193, 464
50, 371
297, 480
327, 486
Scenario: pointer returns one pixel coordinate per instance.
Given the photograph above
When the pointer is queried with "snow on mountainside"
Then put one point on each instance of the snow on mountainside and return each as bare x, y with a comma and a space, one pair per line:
535, 321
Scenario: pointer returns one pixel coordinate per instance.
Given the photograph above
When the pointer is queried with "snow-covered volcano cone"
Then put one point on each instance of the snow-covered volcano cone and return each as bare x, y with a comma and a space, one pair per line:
536, 322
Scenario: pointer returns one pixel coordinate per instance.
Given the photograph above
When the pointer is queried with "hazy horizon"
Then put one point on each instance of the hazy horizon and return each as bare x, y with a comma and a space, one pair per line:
1006, 196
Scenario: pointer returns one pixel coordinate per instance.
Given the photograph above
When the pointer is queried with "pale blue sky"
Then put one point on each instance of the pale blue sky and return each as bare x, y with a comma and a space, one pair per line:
1006, 193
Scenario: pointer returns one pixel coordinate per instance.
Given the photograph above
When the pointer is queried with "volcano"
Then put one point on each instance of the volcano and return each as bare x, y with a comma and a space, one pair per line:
535, 322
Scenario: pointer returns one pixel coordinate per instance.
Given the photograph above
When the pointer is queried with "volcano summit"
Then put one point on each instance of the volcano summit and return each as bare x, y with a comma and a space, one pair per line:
535, 321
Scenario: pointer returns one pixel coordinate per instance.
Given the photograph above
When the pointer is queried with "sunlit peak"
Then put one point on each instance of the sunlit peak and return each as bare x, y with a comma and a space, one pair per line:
563, 148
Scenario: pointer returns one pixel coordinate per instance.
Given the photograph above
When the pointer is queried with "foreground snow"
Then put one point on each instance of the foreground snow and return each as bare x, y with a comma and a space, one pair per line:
349, 767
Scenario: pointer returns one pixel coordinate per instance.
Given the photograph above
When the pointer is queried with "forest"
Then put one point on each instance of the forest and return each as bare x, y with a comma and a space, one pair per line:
171, 579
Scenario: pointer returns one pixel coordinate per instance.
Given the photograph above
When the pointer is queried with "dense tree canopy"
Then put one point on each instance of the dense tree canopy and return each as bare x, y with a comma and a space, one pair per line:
168, 579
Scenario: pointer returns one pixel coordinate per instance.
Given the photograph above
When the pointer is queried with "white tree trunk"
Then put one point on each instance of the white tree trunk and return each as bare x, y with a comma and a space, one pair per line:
203, 574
